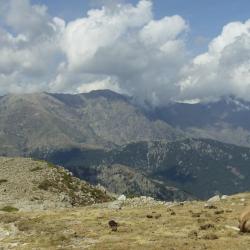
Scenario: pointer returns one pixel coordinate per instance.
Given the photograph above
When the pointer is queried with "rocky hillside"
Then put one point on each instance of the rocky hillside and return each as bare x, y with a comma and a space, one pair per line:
226, 120
54, 121
28, 184
104, 137
121, 179
104, 118
200, 167
139, 223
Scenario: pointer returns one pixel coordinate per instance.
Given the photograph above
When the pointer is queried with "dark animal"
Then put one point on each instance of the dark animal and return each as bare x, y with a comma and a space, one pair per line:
113, 225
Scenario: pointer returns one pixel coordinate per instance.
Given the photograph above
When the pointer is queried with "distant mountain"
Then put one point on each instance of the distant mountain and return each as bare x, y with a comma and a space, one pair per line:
226, 120
200, 167
104, 119
105, 137
52, 121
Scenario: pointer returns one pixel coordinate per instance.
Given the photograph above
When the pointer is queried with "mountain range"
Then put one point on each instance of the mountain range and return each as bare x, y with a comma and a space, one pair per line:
176, 151
51, 121
226, 120
194, 167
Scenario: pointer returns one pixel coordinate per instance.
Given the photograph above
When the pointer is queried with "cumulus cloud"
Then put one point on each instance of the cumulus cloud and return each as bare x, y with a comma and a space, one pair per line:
28, 47
224, 69
121, 47
102, 29
27, 19
108, 3
141, 55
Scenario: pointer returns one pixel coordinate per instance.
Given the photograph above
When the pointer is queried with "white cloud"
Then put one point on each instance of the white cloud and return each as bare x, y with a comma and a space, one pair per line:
109, 3
29, 47
106, 83
159, 32
102, 28
32, 20
121, 47
224, 69
143, 55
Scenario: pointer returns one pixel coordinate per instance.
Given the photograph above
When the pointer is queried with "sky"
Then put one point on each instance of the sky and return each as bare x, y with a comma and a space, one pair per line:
159, 51
206, 17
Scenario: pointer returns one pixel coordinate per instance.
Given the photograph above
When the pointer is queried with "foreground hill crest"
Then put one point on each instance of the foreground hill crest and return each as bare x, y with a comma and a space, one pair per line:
31, 184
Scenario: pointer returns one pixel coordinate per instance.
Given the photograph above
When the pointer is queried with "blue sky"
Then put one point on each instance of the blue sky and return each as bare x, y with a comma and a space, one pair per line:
205, 17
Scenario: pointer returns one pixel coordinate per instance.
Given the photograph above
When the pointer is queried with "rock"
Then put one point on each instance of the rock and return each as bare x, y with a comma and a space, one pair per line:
206, 226
193, 234
3, 233
224, 197
219, 212
116, 205
210, 236
121, 198
102, 188
196, 215
157, 216
63, 198
210, 206
213, 199
232, 227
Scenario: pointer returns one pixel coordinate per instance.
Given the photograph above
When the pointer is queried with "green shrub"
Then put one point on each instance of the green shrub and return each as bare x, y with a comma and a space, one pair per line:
38, 160
130, 195
45, 185
67, 180
36, 169
3, 181
9, 209
51, 165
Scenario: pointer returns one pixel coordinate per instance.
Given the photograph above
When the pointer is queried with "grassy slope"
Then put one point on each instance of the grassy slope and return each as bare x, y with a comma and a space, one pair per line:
88, 227
26, 183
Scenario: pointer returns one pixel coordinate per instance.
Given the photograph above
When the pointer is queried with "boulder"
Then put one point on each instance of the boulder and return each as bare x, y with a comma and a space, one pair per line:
121, 198
224, 197
213, 199
116, 205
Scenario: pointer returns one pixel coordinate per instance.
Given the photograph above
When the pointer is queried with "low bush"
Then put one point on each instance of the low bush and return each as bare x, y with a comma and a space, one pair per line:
45, 185
35, 169
3, 181
9, 209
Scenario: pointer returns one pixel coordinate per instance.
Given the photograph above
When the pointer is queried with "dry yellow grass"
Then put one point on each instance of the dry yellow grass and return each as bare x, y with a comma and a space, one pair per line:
188, 226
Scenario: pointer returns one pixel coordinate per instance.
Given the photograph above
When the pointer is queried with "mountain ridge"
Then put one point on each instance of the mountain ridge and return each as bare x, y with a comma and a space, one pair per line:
34, 121
226, 119
198, 167
114, 131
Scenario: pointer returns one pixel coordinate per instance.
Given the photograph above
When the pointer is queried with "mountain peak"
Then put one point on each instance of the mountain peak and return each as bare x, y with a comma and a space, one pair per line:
106, 93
